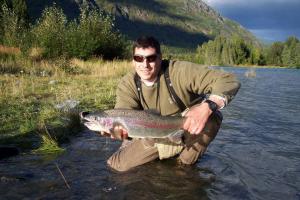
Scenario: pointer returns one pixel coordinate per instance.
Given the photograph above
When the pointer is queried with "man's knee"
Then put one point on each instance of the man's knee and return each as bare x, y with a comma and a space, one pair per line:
135, 153
208, 133
196, 145
190, 155
116, 164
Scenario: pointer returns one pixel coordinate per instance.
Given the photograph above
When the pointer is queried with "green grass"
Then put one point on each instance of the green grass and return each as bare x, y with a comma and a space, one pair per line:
30, 118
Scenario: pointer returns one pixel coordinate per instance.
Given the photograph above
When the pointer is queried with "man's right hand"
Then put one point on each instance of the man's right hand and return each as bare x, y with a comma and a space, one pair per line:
118, 133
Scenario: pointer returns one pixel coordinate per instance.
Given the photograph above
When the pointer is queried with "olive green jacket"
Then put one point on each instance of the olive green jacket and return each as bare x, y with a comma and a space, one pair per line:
188, 79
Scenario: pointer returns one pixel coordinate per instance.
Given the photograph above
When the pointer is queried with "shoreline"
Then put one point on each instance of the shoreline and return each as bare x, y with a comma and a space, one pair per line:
258, 66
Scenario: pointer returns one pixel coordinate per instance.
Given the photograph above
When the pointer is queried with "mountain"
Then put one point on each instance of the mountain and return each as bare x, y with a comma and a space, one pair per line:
176, 23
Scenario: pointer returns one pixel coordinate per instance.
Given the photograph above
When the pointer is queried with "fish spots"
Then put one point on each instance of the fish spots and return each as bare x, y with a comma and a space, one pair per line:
157, 125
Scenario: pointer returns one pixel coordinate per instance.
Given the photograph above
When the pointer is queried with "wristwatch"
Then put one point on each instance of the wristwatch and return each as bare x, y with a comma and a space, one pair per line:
212, 105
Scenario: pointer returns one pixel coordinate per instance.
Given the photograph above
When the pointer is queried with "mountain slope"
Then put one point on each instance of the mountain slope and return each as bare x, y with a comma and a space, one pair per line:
176, 23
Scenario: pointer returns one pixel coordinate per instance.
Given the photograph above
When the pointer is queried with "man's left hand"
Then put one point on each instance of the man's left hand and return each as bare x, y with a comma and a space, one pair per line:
196, 118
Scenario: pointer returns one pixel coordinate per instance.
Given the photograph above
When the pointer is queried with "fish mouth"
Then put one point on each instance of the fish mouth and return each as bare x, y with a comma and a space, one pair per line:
84, 114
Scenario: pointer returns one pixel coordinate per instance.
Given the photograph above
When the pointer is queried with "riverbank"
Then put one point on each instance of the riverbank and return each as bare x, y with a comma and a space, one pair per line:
40, 101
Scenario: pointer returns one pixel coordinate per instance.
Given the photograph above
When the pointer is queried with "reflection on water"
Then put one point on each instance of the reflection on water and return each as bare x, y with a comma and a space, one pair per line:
255, 156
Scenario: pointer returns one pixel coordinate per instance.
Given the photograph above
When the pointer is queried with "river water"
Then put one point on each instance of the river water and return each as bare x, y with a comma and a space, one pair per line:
256, 155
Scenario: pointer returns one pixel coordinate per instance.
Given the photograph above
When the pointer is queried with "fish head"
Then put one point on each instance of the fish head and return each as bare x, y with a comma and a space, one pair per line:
97, 121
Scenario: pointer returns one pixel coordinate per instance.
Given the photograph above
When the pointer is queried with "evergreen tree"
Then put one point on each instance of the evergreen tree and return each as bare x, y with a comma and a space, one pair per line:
292, 40
274, 54
225, 57
242, 52
228, 51
290, 52
297, 57
286, 56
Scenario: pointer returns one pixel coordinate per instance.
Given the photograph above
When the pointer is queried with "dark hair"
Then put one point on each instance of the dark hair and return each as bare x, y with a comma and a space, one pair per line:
145, 42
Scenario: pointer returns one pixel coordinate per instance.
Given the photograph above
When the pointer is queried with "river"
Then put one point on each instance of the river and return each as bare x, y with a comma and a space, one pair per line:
256, 155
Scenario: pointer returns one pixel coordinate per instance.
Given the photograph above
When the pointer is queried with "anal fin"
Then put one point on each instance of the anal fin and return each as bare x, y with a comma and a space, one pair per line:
176, 136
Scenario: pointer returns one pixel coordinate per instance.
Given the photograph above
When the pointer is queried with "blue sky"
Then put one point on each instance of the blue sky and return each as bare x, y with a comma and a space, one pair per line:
269, 20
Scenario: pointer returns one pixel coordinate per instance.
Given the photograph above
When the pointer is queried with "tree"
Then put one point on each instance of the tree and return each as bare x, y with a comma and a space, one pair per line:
290, 52
286, 56
228, 51
274, 54
297, 57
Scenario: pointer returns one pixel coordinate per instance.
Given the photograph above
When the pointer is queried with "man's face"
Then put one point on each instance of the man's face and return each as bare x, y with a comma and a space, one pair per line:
147, 63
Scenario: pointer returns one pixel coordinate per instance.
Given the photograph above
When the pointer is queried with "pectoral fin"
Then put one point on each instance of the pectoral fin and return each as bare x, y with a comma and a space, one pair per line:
176, 136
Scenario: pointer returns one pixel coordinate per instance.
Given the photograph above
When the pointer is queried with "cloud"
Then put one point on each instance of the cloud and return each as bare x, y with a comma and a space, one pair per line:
265, 16
272, 16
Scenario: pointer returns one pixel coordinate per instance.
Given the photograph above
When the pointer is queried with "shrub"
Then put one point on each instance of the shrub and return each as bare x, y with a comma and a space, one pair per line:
94, 35
12, 27
49, 32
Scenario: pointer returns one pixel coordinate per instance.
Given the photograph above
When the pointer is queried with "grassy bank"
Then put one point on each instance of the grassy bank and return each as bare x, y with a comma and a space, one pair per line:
40, 101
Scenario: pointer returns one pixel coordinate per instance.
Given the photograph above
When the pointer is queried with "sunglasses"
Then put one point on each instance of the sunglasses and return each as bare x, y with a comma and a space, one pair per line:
140, 58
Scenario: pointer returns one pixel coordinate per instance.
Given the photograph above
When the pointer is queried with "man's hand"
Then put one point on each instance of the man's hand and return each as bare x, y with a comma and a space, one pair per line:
196, 118
117, 133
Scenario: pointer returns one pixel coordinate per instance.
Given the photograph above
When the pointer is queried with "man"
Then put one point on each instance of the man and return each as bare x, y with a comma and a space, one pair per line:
148, 87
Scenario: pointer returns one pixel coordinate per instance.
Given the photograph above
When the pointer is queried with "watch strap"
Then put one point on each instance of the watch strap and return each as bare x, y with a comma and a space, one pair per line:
212, 105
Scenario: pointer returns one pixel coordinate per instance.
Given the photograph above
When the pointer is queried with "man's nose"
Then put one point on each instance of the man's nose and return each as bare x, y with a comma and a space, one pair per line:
145, 63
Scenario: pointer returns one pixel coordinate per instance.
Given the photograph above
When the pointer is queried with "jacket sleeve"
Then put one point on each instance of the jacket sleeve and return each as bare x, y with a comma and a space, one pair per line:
199, 79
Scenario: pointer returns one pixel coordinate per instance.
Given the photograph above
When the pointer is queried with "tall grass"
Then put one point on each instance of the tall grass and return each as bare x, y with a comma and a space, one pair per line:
33, 96
9, 50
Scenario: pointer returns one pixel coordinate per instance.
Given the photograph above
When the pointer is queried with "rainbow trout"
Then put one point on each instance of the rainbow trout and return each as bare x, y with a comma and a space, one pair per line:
137, 123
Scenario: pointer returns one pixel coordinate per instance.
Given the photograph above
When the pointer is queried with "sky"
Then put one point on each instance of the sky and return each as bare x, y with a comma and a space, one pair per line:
268, 20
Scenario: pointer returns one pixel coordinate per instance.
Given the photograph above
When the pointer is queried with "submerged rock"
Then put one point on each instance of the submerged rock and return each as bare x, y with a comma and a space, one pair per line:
250, 73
